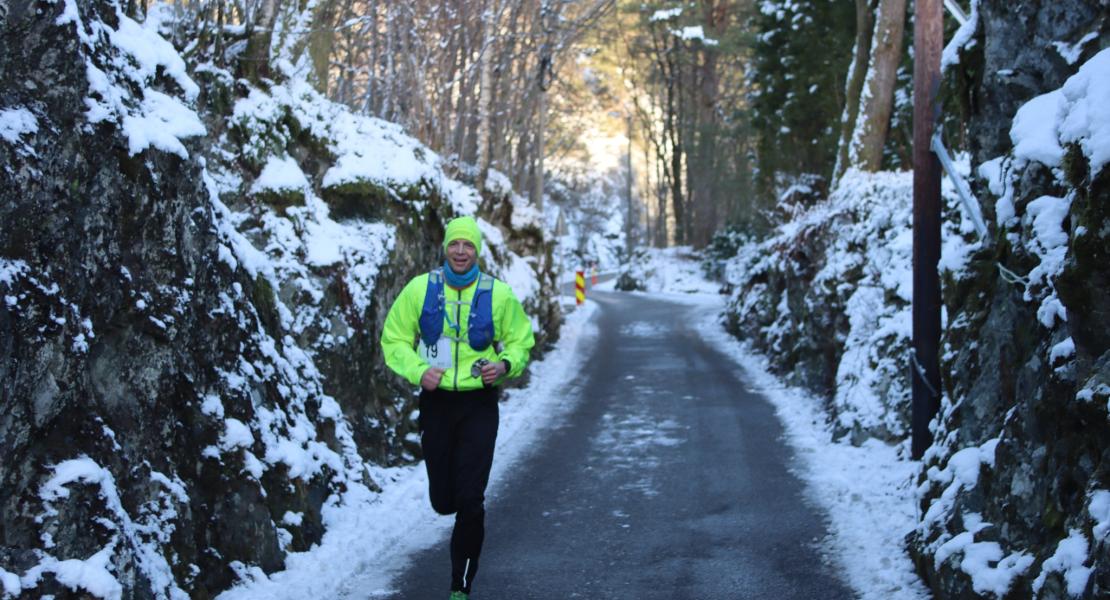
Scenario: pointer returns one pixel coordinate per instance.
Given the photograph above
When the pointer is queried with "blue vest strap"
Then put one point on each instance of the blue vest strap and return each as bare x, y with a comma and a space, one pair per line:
480, 328
431, 316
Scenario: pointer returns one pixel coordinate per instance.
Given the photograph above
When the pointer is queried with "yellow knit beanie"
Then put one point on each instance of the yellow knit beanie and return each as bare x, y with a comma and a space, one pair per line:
463, 228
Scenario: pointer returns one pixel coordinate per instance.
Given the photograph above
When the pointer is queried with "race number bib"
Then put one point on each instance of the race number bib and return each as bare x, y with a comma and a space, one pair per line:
438, 356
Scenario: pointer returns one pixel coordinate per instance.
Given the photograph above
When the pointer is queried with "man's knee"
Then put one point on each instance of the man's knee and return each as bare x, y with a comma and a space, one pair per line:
443, 502
471, 507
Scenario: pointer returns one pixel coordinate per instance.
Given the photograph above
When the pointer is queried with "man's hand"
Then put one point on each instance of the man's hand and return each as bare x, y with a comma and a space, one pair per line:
493, 371
430, 379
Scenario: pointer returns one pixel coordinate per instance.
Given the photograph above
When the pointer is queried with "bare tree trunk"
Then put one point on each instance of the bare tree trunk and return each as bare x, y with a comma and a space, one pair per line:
371, 30
450, 69
865, 10
677, 195
537, 190
628, 178
665, 60
255, 61
490, 22
541, 73
877, 101
661, 196
708, 184
219, 32
648, 190
506, 101
645, 186
320, 41
386, 110
462, 101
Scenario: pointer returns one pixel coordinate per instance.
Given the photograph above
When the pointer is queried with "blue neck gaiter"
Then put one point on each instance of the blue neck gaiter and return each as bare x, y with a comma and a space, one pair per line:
460, 280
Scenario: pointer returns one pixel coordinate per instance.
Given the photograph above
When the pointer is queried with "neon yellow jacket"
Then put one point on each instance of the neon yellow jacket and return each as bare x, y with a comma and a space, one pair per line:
512, 331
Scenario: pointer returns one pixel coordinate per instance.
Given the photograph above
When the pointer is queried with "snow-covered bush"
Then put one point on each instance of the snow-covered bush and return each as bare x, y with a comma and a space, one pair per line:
674, 270
722, 246
634, 272
828, 296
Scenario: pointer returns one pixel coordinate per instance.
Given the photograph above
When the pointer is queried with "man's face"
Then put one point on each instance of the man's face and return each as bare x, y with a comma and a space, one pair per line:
461, 255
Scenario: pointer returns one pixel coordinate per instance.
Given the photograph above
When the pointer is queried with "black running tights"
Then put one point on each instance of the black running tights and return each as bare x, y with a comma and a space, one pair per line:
457, 435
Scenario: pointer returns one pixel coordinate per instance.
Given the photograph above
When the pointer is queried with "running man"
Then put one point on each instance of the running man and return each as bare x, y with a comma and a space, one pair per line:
458, 334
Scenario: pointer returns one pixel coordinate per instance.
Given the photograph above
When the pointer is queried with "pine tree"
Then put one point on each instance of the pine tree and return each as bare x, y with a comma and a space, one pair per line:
801, 57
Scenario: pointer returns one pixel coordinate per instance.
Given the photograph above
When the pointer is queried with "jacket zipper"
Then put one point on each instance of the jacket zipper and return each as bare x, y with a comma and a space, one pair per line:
458, 335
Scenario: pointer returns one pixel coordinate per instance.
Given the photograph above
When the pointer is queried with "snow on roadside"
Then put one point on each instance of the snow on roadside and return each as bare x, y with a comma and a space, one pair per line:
670, 270
867, 491
371, 537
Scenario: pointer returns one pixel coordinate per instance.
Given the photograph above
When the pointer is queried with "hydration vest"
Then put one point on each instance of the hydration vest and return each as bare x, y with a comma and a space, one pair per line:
479, 330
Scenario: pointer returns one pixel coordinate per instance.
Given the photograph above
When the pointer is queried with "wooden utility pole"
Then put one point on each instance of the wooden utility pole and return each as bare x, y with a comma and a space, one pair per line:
928, 38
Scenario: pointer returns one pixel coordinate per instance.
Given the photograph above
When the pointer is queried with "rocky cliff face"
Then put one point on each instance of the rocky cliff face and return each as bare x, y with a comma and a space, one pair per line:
193, 273
1014, 491
1014, 494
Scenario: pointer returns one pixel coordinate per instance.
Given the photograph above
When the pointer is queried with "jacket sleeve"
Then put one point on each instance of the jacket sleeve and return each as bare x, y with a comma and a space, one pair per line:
516, 335
402, 325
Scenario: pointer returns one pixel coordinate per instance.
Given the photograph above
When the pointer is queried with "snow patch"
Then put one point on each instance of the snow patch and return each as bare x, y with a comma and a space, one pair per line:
280, 174
162, 122
990, 570
136, 58
15, 122
1046, 216
1099, 509
1086, 113
140, 538
498, 183
694, 32
1068, 560
1072, 52
1035, 133
666, 15
961, 472
1064, 349
1076, 113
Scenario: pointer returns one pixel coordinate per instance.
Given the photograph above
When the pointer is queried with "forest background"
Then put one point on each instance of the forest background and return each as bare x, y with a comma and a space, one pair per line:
694, 117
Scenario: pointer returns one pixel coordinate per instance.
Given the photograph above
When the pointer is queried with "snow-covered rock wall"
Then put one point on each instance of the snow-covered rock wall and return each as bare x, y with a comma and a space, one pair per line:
193, 271
828, 295
1013, 493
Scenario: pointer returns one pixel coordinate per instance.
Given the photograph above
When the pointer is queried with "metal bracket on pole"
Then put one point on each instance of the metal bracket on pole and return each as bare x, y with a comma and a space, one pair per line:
937, 146
1011, 277
956, 12
920, 372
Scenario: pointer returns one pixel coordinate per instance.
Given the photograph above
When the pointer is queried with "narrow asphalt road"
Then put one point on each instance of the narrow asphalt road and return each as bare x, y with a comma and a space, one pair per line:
669, 480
